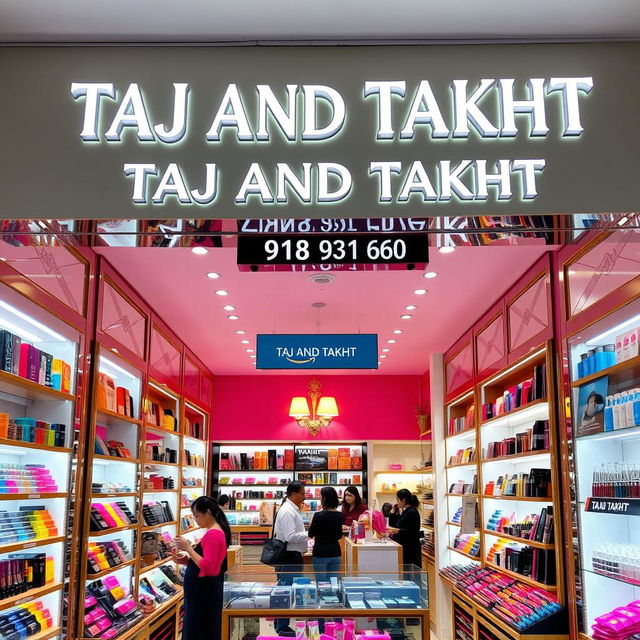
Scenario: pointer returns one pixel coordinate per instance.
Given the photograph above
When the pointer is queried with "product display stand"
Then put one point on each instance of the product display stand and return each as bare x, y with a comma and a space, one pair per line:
604, 370
38, 396
503, 493
152, 464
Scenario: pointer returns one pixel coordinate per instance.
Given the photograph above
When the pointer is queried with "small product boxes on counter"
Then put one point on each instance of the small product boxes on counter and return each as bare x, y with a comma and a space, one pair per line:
25, 621
32, 431
109, 608
521, 606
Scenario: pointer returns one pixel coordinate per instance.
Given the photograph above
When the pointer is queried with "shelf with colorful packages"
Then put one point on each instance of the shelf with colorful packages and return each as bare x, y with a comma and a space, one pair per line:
38, 387
462, 479
604, 366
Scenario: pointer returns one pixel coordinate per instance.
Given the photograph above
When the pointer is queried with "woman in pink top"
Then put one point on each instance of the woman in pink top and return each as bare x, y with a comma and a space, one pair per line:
204, 577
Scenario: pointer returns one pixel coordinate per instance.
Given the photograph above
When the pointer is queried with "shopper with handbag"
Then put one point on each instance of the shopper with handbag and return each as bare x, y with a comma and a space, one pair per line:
289, 528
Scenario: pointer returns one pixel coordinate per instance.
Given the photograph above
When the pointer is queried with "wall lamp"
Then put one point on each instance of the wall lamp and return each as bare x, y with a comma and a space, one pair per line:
323, 409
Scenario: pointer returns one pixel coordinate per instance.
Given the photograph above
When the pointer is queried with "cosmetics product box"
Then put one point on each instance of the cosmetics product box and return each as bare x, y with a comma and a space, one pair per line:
106, 390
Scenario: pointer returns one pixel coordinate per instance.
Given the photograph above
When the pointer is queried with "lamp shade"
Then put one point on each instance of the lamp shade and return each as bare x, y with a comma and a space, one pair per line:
299, 408
327, 407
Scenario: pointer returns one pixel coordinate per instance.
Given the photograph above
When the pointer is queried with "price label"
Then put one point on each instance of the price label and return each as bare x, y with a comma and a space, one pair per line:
333, 249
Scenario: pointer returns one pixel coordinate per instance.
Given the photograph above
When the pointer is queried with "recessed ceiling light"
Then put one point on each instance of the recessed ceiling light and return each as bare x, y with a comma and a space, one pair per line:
229, 307
199, 251
411, 307
391, 341
383, 356
386, 350
244, 342
249, 350
447, 249
406, 316
252, 356
434, 274
213, 275
233, 317
420, 292
241, 332
397, 331
379, 361
222, 292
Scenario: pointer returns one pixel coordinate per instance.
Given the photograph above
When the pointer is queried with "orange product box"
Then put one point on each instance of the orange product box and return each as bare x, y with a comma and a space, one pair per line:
106, 392
332, 459
4, 425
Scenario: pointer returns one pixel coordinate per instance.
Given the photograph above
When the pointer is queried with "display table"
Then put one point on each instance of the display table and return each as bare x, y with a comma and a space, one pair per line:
394, 602
377, 555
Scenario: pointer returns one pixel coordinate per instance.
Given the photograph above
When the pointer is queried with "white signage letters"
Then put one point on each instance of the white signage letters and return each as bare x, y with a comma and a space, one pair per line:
417, 115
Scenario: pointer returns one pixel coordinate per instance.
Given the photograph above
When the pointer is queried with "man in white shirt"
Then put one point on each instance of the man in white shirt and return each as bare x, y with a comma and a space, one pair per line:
289, 528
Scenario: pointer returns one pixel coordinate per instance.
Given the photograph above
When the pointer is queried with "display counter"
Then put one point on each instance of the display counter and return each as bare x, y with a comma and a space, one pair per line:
234, 556
377, 555
382, 604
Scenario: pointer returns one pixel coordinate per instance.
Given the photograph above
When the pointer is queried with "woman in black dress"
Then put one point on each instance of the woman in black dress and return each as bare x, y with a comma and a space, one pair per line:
204, 577
406, 531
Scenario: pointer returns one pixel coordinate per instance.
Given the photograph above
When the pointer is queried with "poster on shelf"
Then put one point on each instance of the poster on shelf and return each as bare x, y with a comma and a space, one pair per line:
311, 458
591, 399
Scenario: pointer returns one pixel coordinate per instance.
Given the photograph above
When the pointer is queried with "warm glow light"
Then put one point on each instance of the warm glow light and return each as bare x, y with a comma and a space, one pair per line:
229, 307
299, 408
200, 251
222, 292
420, 292
433, 274
213, 275
446, 249
327, 407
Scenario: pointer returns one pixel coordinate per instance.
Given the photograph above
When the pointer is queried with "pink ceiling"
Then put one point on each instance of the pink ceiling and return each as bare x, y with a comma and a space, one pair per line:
174, 283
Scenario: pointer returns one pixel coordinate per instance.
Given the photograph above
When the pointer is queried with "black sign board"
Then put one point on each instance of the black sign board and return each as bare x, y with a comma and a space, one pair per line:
312, 459
333, 249
621, 506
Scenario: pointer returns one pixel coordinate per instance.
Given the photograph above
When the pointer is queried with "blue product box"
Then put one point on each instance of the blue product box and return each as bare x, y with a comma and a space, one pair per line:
305, 594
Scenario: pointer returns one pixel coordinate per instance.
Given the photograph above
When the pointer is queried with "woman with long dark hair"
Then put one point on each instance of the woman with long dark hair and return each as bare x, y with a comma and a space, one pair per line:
407, 529
352, 506
326, 530
206, 565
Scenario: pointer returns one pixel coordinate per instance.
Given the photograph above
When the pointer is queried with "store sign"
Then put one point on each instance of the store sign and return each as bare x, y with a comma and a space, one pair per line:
333, 249
620, 506
282, 132
317, 351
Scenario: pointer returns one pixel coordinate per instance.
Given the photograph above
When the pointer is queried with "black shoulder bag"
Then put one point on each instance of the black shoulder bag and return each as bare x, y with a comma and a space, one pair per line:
273, 550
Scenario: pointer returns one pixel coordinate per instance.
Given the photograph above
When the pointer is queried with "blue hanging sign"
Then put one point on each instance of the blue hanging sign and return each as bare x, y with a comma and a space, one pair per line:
317, 351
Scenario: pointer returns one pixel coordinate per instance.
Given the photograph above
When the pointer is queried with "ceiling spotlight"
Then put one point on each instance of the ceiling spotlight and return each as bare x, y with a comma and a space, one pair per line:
397, 331
199, 251
252, 356
233, 317
391, 341
244, 342
379, 361
222, 292
386, 350
411, 307
406, 316
229, 307
249, 350
213, 275
383, 356
241, 332
447, 249
420, 292
432, 274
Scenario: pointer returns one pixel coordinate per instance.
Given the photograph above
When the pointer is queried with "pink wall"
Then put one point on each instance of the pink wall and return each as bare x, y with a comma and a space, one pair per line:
371, 407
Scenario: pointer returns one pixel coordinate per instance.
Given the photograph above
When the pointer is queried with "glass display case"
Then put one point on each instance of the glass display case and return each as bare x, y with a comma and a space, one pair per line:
604, 365
349, 606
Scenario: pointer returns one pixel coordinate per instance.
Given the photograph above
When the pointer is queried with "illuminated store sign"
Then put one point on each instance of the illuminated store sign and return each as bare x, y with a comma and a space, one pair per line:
297, 119
318, 132
317, 351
